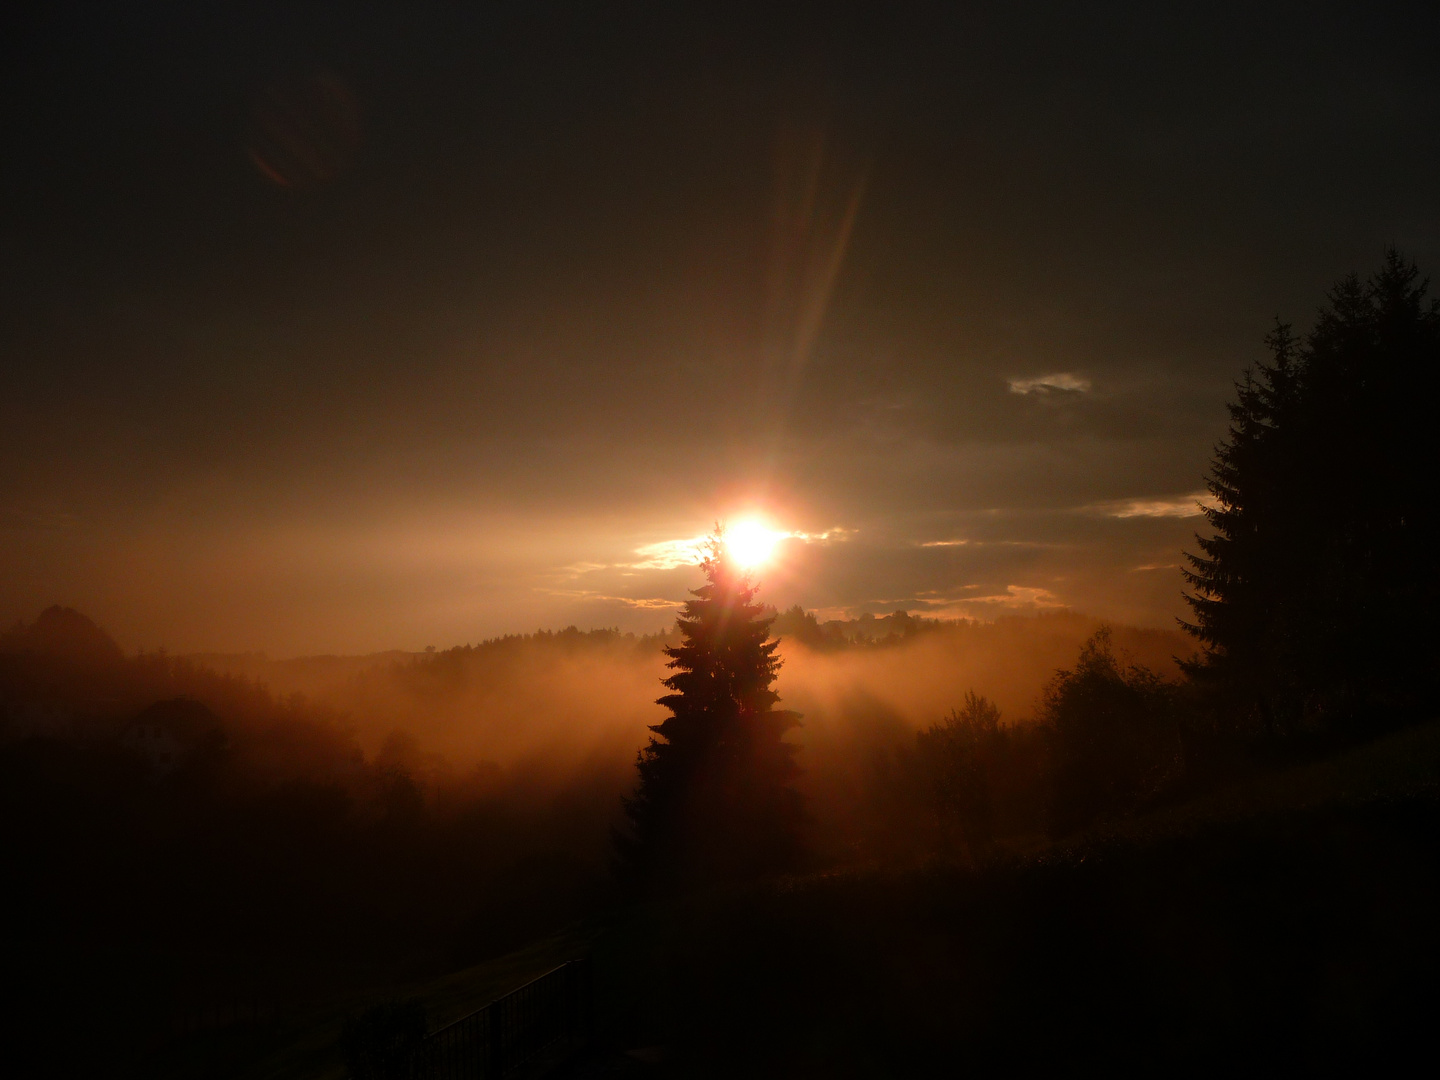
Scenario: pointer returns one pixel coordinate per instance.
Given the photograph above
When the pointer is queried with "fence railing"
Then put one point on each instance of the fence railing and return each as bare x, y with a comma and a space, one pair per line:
551, 1013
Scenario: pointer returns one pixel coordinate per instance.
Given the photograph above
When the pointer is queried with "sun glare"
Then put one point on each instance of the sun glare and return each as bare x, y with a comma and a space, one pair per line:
751, 544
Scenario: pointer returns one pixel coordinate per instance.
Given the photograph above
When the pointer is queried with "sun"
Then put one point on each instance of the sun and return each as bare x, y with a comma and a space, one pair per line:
751, 544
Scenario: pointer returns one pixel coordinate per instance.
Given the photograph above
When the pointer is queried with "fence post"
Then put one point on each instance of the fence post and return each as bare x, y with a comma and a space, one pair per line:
495, 1066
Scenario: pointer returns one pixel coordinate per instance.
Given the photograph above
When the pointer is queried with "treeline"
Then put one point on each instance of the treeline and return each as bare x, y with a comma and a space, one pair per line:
868, 630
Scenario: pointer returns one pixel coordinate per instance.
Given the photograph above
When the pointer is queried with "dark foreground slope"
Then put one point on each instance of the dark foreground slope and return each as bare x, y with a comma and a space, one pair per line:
1302, 943
1285, 923
1288, 925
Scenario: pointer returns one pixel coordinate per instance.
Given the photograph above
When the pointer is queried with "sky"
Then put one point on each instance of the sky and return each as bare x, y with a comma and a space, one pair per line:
350, 326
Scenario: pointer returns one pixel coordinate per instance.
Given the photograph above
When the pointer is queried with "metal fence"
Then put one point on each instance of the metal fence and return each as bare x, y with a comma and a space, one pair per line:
549, 1014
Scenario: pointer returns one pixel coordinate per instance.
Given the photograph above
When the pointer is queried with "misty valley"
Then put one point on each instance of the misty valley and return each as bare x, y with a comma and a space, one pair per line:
669, 541
230, 833
226, 863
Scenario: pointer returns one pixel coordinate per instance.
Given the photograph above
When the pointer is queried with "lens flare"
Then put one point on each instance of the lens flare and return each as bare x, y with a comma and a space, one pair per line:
751, 544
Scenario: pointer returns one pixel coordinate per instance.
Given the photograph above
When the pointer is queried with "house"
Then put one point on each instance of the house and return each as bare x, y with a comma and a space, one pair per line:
170, 733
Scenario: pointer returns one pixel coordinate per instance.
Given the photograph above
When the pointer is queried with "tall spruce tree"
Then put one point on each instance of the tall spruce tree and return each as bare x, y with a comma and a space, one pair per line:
1314, 595
1247, 566
716, 796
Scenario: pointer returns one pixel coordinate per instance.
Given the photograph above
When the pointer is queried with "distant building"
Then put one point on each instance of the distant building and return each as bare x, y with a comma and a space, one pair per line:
170, 733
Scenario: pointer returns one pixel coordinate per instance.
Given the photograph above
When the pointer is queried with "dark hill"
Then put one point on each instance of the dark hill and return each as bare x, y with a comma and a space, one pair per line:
62, 633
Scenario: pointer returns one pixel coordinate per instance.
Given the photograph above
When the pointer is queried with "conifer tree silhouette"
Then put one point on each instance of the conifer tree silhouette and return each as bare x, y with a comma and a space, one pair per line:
1314, 595
715, 798
1242, 578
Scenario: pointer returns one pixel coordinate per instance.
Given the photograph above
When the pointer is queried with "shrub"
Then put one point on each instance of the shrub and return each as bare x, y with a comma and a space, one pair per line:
1114, 734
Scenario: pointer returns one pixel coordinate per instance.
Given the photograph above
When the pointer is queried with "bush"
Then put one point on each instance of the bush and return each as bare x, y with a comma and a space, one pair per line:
958, 756
1115, 737
983, 780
